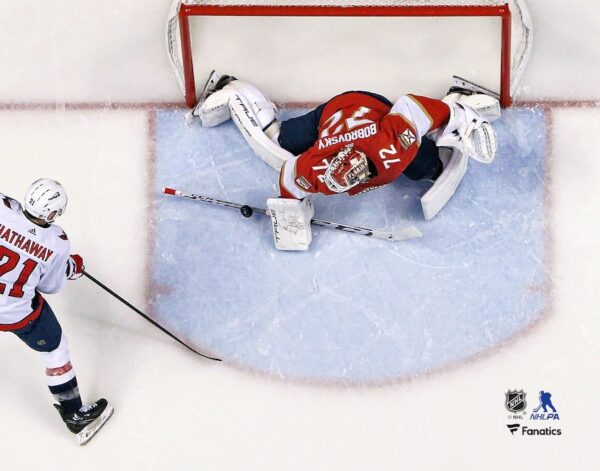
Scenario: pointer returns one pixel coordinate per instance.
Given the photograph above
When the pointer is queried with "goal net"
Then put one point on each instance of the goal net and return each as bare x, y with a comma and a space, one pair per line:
493, 37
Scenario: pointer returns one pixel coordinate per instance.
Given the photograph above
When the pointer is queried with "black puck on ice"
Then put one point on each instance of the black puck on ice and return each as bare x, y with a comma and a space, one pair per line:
246, 211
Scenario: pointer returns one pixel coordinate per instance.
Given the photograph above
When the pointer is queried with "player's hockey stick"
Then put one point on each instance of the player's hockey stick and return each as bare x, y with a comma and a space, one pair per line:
131, 306
409, 232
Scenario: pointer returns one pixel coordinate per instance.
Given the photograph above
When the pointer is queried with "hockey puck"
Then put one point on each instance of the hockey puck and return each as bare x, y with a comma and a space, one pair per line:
246, 211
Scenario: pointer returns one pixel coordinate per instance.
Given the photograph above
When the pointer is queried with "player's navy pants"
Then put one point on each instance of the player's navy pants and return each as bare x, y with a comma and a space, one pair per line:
44, 333
299, 134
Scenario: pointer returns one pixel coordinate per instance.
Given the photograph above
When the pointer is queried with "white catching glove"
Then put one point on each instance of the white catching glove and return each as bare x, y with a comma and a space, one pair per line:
291, 222
468, 131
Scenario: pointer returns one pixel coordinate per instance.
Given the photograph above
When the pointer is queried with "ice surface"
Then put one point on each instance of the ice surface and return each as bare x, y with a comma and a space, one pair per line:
351, 309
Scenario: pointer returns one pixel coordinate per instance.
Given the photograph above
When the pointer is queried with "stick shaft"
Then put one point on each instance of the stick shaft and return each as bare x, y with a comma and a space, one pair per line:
409, 232
132, 307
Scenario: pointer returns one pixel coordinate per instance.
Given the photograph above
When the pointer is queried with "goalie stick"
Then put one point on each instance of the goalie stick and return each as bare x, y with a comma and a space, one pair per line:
131, 306
409, 232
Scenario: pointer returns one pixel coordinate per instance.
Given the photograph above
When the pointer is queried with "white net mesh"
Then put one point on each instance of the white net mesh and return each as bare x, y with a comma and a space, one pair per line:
521, 37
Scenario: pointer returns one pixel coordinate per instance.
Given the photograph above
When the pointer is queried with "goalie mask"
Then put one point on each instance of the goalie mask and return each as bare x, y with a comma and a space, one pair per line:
46, 199
350, 167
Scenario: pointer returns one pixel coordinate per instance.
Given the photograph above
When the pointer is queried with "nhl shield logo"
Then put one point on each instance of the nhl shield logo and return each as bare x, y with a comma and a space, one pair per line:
515, 400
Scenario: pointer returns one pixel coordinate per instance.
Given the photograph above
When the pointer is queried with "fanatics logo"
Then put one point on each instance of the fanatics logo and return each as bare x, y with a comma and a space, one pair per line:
513, 428
407, 139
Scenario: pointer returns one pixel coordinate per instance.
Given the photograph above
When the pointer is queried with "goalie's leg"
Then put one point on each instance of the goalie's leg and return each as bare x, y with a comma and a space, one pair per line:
255, 116
257, 119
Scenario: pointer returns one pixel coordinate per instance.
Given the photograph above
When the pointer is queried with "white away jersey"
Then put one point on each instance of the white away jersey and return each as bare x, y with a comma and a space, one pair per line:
31, 258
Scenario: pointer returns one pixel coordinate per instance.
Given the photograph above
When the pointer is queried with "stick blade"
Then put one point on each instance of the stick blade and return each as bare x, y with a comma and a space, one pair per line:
169, 191
406, 233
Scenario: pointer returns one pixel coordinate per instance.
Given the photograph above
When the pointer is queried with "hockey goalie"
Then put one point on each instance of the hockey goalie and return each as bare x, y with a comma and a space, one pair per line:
353, 143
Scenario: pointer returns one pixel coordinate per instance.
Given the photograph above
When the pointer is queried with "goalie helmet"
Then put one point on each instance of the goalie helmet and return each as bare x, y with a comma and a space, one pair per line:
348, 168
46, 199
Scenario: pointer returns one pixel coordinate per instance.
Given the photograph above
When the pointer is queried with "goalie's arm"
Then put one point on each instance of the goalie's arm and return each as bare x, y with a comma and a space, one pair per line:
290, 183
422, 113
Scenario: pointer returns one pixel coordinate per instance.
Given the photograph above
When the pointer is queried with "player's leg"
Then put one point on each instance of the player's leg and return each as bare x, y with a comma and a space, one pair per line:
300, 133
427, 164
45, 336
468, 133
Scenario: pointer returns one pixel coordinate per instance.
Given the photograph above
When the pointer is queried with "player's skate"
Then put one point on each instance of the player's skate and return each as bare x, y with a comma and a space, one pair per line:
86, 422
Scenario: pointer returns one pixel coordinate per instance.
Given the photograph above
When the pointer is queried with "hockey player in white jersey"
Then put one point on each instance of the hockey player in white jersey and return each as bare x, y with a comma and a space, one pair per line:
34, 259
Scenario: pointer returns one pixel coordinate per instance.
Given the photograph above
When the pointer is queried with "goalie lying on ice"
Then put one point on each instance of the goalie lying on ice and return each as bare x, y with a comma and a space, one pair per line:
355, 142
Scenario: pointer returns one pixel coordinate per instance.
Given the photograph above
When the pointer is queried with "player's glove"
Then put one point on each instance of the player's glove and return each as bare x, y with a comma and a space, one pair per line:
75, 267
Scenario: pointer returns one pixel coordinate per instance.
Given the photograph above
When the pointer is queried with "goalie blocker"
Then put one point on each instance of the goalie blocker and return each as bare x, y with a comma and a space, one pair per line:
291, 222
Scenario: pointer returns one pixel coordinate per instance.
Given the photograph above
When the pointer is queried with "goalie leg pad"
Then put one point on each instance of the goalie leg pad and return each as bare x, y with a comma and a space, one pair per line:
291, 222
213, 106
264, 110
252, 120
446, 184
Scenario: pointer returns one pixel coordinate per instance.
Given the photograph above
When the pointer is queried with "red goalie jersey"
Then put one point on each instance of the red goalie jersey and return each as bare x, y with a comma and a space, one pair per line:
389, 136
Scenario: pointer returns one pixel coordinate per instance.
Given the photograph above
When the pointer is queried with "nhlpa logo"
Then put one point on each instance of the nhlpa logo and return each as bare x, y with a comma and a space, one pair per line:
513, 428
545, 404
407, 139
515, 401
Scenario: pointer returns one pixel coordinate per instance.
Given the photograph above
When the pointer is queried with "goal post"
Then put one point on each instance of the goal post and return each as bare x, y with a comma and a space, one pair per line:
515, 43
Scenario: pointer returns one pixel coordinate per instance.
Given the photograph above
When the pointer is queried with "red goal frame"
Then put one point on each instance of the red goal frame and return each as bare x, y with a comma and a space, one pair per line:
501, 11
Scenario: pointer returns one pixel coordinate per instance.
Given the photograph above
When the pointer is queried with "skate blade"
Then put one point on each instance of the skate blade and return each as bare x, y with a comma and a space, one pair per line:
467, 84
208, 89
92, 429
213, 78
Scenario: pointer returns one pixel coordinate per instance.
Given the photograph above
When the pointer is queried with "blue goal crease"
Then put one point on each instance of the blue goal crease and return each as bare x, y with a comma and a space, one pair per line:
351, 309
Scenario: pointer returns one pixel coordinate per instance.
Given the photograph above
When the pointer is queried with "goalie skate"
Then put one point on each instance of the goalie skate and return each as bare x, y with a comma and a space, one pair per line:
209, 88
214, 83
466, 87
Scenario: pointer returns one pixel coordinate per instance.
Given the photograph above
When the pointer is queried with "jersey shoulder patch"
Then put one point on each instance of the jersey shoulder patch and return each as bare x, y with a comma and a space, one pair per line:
407, 138
9, 203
